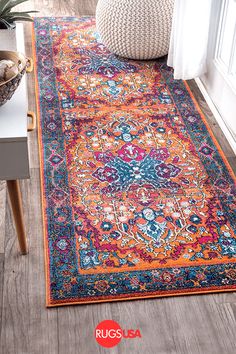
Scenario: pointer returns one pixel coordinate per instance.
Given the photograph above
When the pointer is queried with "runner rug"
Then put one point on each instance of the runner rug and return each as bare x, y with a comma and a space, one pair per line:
138, 199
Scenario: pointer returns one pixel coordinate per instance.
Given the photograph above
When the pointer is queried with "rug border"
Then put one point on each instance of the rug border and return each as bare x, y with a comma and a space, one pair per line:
56, 303
217, 144
41, 168
207, 291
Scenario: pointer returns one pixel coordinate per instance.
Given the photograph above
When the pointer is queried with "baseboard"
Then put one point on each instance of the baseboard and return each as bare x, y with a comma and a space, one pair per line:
217, 115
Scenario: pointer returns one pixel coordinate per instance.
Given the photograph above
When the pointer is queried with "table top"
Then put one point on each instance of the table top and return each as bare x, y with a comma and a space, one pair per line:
13, 114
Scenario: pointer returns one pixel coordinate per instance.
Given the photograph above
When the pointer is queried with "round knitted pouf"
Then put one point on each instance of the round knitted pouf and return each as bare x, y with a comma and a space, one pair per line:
135, 29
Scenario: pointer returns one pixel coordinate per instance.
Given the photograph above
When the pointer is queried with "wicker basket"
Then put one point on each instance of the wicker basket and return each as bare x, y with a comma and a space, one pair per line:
8, 88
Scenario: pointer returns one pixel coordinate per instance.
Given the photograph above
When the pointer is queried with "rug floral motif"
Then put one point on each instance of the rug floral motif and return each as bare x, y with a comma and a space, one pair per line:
138, 199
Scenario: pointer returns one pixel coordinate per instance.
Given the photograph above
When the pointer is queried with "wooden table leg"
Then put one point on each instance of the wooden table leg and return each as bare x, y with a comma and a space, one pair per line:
17, 209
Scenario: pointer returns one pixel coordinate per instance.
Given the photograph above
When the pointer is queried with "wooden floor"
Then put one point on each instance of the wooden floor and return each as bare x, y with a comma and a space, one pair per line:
203, 324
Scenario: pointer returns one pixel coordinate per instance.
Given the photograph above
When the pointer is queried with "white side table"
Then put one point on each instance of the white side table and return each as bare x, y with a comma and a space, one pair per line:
14, 161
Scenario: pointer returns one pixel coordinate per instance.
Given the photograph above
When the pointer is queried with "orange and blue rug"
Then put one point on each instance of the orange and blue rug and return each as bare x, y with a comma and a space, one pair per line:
138, 198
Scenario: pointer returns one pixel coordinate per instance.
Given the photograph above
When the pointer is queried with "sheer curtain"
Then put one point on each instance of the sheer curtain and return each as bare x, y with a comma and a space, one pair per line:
189, 38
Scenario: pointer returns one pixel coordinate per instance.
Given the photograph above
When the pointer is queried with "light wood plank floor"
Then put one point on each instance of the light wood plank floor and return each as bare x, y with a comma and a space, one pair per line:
178, 325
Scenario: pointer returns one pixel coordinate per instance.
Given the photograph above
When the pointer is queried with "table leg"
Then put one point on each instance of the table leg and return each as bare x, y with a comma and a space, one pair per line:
17, 209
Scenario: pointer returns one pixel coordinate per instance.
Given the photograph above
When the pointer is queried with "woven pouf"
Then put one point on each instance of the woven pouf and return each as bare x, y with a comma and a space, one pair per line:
135, 29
